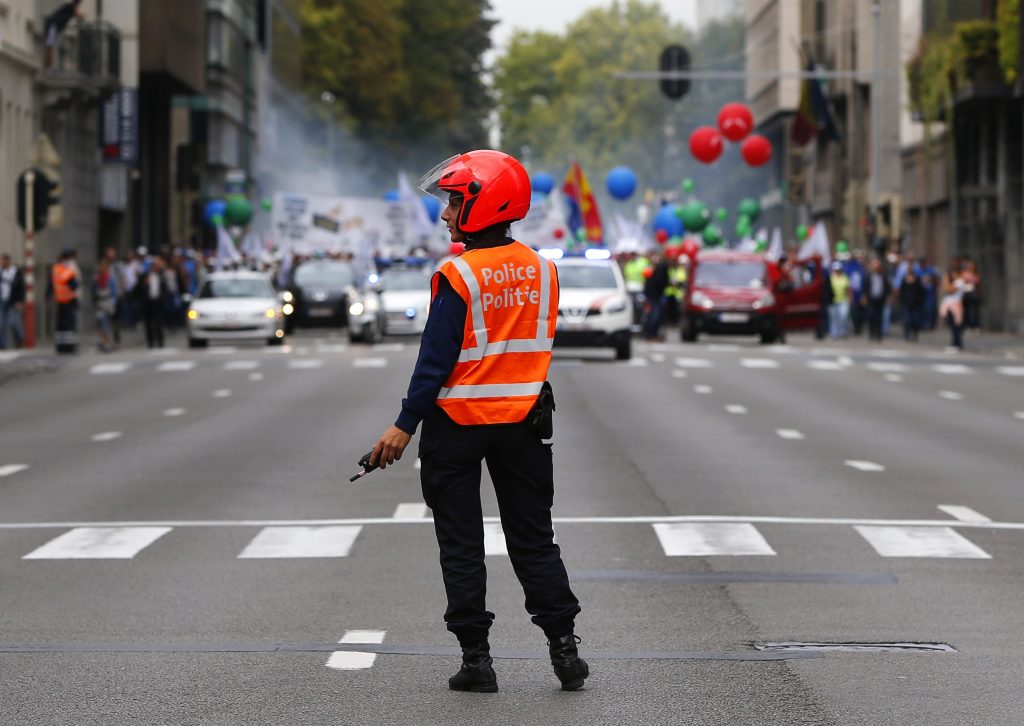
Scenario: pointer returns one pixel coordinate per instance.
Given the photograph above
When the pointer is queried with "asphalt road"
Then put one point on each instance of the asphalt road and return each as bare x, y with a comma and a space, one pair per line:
179, 543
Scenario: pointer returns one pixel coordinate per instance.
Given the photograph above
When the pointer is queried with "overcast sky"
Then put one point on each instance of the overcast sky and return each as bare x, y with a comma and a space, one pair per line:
554, 15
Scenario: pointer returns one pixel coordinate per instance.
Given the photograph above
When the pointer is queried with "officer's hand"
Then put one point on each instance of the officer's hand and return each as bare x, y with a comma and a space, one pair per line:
389, 447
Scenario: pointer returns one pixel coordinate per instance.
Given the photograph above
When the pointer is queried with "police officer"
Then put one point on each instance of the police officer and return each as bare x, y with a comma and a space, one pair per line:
477, 388
65, 283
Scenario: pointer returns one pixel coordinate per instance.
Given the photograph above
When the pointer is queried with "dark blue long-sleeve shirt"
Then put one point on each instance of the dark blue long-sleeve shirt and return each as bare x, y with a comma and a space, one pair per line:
439, 352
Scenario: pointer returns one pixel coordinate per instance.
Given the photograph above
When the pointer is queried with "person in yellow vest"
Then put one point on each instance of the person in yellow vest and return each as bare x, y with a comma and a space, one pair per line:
480, 389
839, 311
65, 282
675, 289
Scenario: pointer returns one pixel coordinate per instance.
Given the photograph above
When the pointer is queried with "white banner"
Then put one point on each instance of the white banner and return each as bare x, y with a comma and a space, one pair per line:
305, 224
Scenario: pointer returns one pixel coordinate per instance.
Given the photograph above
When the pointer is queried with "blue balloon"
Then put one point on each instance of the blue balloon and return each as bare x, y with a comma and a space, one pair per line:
543, 183
214, 208
667, 219
433, 205
391, 196
621, 182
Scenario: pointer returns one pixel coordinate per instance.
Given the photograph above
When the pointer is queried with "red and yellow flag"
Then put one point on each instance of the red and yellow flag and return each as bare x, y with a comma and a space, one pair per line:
583, 211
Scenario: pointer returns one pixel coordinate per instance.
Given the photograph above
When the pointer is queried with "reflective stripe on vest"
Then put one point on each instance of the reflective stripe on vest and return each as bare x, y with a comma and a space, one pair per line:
511, 296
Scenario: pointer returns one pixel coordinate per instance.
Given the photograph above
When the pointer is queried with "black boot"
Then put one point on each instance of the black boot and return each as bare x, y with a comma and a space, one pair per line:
569, 667
476, 674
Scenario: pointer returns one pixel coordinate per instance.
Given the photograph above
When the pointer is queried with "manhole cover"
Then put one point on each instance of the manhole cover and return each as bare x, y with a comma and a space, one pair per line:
859, 647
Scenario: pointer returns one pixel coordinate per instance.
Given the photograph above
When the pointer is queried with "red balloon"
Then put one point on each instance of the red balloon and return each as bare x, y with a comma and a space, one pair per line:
457, 248
706, 144
648, 272
735, 121
559, 233
672, 253
690, 248
757, 150
662, 236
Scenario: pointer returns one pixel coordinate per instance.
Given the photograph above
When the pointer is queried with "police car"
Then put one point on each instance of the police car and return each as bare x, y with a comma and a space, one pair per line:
593, 307
405, 297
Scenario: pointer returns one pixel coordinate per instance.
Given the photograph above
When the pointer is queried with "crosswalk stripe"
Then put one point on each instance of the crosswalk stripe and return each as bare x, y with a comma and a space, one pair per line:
759, 363
736, 409
305, 364
887, 367
289, 542
222, 393
101, 369
677, 373
255, 376
790, 434
826, 365
343, 660
410, 510
331, 348
223, 350
964, 514
894, 377
700, 540
722, 348
1011, 370
702, 389
9, 469
636, 362
952, 369
494, 539
951, 395
241, 365
860, 465
658, 357
106, 436
389, 347
370, 363
920, 542
98, 543
176, 366
172, 412
693, 362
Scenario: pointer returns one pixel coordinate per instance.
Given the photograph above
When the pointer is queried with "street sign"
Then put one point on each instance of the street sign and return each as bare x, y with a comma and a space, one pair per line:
119, 127
674, 58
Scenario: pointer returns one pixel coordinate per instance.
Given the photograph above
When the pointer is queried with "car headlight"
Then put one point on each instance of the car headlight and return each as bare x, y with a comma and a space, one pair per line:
270, 313
702, 301
356, 308
288, 309
287, 296
617, 306
410, 313
765, 301
193, 314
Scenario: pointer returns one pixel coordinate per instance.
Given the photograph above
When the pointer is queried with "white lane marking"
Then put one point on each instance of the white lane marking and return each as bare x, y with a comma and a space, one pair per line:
163, 351
759, 363
1019, 415
889, 354
370, 363
702, 389
494, 539
921, 542
6, 356
658, 357
636, 362
223, 350
171, 412
693, 362
828, 351
783, 349
98, 543
289, 542
860, 465
343, 660
279, 350
1011, 370
331, 348
951, 395
255, 376
410, 510
964, 514
8, 469
952, 369
698, 540
888, 367
417, 465
222, 393
894, 378
736, 409
305, 364
101, 369
388, 347
176, 366
825, 365
241, 365
790, 434
677, 373
107, 436
723, 348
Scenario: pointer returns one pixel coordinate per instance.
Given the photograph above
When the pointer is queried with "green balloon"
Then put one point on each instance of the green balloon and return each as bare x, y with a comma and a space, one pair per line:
688, 185
743, 226
266, 204
218, 220
841, 246
722, 213
712, 235
695, 215
750, 208
238, 211
801, 232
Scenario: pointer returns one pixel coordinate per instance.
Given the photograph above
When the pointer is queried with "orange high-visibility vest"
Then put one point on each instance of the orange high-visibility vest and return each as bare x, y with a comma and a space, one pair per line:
62, 276
511, 296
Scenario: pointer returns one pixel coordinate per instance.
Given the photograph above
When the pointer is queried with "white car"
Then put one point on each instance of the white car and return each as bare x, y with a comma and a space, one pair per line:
594, 308
232, 306
405, 295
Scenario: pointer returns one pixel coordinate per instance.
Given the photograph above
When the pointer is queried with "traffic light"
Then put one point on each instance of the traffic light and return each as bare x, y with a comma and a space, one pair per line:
45, 194
674, 58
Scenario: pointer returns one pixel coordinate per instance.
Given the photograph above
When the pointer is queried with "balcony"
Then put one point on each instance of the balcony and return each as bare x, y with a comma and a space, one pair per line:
87, 58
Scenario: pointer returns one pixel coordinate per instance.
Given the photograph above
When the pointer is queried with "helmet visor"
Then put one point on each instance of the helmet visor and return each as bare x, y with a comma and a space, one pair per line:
431, 181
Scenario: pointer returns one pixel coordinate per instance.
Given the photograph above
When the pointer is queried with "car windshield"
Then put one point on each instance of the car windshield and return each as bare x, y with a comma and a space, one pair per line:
585, 276
405, 280
729, 274
325, 273
238, 287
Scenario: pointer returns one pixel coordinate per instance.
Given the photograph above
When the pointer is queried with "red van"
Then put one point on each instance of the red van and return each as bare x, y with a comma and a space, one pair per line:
742, 293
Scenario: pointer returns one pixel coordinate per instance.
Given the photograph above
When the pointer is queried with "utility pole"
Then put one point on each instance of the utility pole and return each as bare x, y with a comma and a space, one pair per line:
30, 260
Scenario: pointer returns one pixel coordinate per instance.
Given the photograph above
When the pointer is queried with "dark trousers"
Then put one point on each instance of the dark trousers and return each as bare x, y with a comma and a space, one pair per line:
858, 314
65, 334
152, 315
876, 310
956, 331
652, 326
911, 323
520, 467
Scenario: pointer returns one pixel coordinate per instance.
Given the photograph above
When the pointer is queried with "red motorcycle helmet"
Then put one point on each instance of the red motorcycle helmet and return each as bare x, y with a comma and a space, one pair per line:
494, 186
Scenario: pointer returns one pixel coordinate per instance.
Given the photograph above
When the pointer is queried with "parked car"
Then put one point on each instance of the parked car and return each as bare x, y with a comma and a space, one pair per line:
233, 306
742, 293
594, 308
